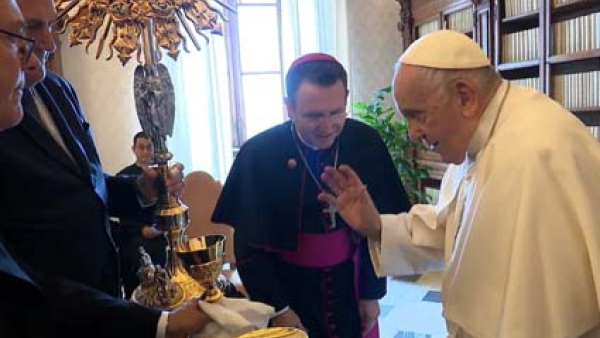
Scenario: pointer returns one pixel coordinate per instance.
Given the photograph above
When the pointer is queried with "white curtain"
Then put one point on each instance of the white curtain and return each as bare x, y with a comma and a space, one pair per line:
202, 136
314, 26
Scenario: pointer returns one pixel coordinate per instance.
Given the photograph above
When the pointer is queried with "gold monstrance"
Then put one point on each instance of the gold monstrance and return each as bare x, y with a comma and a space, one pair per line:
143, 27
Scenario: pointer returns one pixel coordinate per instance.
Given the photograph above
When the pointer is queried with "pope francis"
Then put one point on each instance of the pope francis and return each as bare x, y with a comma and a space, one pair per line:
516, 225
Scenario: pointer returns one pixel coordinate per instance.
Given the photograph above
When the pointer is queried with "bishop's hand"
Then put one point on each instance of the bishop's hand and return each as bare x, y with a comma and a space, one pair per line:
352, 200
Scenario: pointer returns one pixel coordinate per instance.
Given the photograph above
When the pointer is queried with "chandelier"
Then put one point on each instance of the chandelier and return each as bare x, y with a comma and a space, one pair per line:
139, 26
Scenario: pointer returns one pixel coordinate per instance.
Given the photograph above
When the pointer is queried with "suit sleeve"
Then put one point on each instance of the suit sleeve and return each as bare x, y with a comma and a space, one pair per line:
123, 200
49, 304
77, 310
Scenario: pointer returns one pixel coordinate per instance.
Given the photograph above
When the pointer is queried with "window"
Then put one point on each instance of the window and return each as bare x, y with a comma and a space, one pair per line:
265, 36
256, 67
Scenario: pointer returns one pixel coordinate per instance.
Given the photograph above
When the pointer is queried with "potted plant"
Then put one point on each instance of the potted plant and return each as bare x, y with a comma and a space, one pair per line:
380, 115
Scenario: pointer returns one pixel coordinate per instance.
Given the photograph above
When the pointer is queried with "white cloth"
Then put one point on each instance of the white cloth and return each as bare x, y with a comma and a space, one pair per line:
525, 262
161, 325
232, 317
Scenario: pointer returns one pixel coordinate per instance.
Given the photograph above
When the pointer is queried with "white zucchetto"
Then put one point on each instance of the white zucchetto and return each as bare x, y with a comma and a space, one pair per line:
445, 49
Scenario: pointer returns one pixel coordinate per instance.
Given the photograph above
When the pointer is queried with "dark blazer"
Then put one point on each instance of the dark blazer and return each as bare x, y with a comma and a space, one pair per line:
55, 209
37, 306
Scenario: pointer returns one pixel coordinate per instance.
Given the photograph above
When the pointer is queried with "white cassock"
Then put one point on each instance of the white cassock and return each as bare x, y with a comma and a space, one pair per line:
523, 254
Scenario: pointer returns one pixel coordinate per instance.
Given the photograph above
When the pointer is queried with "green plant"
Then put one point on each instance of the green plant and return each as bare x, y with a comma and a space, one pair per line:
380, 115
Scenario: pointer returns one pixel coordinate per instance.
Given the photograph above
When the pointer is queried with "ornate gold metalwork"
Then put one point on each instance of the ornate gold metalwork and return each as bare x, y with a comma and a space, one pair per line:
145, 27
127, 19
202, 258
276, 332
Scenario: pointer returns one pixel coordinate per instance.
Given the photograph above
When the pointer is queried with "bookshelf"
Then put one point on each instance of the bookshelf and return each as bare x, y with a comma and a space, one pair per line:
552, 46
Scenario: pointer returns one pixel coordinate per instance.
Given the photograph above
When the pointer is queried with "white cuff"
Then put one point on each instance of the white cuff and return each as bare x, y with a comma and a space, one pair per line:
397, 254
161, 326
280, 311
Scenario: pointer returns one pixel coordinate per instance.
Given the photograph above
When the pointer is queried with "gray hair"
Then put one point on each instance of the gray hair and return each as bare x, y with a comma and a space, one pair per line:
485, 79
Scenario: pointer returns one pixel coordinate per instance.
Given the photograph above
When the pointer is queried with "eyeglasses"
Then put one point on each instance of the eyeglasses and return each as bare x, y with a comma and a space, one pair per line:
26, 45
318, 118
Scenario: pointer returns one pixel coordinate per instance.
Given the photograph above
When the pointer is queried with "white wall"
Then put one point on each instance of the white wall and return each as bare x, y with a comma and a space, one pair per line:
374, 45
105, 89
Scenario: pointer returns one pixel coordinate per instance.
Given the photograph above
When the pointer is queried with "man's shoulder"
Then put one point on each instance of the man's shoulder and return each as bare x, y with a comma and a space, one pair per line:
53, 79
130, 170
357, 125
359, 132
269, 139
538, 120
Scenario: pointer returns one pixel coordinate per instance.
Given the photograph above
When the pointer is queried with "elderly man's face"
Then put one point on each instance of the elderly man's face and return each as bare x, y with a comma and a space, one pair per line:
434, 115
319, 113
39, 17
11, 76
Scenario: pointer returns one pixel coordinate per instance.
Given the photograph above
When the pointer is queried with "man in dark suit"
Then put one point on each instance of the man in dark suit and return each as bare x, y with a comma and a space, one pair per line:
33, 305
56, 198
138, 230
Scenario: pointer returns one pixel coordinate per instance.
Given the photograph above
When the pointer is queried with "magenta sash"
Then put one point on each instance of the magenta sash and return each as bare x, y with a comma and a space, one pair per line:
325, 250
322, 250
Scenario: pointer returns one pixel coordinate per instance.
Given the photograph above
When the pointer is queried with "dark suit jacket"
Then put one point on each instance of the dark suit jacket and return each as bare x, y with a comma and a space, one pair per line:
55, 209
37, 306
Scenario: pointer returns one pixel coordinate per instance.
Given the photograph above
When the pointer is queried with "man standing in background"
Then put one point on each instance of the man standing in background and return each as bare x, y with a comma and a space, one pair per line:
138, 230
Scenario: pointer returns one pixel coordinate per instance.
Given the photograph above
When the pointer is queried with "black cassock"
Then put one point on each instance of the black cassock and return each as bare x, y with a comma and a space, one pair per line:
270, 198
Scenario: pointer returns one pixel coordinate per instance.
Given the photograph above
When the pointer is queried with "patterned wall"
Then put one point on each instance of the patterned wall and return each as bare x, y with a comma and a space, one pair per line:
374, 45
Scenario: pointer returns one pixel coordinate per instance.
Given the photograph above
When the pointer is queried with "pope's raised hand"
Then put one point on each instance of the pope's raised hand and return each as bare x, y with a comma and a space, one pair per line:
352, 200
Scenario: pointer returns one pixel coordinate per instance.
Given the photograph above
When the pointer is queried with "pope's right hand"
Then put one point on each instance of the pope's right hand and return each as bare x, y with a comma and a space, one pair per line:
352, 200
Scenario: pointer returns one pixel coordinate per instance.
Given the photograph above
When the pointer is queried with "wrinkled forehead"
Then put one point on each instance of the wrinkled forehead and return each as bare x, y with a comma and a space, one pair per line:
408, 87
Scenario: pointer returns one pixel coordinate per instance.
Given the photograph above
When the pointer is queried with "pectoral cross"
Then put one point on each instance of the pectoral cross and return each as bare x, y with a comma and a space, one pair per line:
331, 210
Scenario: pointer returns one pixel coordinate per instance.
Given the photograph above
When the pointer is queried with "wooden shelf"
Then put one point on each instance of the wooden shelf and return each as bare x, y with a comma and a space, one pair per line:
579, 56
531, 16
468, 32
573, 6
518, 65
586, 110
431, 182
589, 116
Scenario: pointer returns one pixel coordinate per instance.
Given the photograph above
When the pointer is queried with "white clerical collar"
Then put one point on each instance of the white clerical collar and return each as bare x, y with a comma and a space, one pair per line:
308, 145
487, 122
